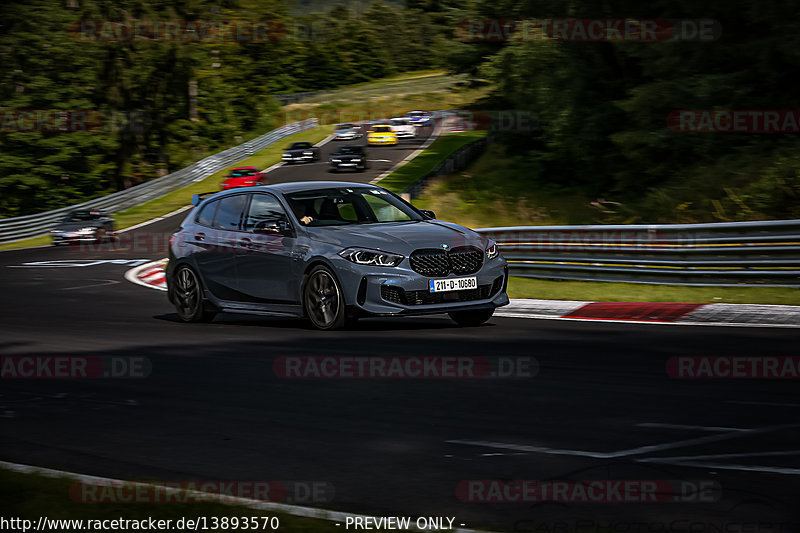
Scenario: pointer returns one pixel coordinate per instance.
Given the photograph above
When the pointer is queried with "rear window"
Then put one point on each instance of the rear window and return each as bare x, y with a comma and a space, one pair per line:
206, 215
229, 213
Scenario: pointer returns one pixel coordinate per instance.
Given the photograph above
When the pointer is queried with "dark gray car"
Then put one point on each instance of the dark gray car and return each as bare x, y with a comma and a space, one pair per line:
332, 252
300, 152
84, 225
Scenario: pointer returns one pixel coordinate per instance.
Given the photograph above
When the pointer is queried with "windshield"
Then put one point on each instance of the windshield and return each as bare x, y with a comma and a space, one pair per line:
356, 205
298, 146
82, 216
380, 129
344, 127
349, 150
243, 172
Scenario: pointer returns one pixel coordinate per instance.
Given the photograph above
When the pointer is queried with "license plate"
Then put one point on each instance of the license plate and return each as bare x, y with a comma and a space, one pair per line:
453, 284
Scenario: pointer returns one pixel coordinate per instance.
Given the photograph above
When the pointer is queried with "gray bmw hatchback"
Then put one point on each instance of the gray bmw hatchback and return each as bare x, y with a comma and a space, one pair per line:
331, 252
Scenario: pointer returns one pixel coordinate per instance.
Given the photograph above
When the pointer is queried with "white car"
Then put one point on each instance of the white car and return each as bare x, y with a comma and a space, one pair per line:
403, 128
347, 132
420, 118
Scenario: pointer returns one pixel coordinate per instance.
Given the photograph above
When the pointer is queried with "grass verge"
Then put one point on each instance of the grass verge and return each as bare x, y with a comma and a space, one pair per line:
437, 152
181, 197
598, 291
496, 190
30, 496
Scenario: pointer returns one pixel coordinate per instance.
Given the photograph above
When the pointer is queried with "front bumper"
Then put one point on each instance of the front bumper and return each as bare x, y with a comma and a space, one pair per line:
297, 158
382, 291
72, 239
346, 165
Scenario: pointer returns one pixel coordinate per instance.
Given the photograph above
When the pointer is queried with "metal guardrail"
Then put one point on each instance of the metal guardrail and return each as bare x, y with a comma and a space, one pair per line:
456, 161
765, 253
24, 227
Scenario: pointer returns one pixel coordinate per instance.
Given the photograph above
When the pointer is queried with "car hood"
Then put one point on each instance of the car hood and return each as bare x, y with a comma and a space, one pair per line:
294, 151
402, 238
75, 226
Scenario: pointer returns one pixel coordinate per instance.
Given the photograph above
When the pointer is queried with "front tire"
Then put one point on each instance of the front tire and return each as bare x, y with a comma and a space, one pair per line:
471, 318
188, 295
323, 300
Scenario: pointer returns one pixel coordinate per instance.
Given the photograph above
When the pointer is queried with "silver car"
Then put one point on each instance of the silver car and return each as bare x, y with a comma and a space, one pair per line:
331, 252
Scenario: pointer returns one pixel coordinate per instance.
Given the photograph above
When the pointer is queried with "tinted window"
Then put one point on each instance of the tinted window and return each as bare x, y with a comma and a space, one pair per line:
206, 216
350, 150
242, 172
229, 213
357, 205
264, 208
82, 216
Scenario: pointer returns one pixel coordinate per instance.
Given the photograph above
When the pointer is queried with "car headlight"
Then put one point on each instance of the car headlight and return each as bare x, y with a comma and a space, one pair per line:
308, 153
491, 250
87, 230
365, 256
336, 160
287, 155
356, 160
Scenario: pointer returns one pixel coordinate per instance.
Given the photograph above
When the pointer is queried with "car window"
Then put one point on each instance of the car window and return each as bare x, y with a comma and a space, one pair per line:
384, 212
206, 215
229, 212
382, 128
82, 216
357, 205
263, 208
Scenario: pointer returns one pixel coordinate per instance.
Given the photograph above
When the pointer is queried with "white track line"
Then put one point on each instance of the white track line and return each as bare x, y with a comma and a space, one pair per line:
433, 136
682, 426
623, 453
154, 220
258, 505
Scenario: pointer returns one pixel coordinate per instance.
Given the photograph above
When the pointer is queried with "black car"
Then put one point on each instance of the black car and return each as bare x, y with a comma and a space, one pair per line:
301, 152
83, 225
349, 157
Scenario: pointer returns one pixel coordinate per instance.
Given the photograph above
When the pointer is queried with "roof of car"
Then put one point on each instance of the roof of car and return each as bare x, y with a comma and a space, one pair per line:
296, 186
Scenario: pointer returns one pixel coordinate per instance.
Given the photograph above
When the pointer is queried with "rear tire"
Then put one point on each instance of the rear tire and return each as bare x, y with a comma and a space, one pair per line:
471, 318
188, 297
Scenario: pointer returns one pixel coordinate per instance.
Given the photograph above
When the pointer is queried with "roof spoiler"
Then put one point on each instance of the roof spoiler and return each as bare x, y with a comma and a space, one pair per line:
197, 198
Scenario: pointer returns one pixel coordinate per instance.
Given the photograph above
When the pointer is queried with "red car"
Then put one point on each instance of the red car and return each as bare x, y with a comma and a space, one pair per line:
244, 177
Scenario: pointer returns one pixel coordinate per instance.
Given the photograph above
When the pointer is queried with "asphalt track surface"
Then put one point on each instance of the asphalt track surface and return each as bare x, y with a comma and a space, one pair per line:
599, 407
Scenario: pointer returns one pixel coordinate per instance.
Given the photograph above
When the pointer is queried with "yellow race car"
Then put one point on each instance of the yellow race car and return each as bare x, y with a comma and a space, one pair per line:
381, 135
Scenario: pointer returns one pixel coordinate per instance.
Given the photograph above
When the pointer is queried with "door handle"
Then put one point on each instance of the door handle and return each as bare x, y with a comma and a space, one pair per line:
200, 236
245, 243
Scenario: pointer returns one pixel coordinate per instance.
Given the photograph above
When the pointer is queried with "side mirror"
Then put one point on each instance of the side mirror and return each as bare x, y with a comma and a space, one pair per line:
428, 214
